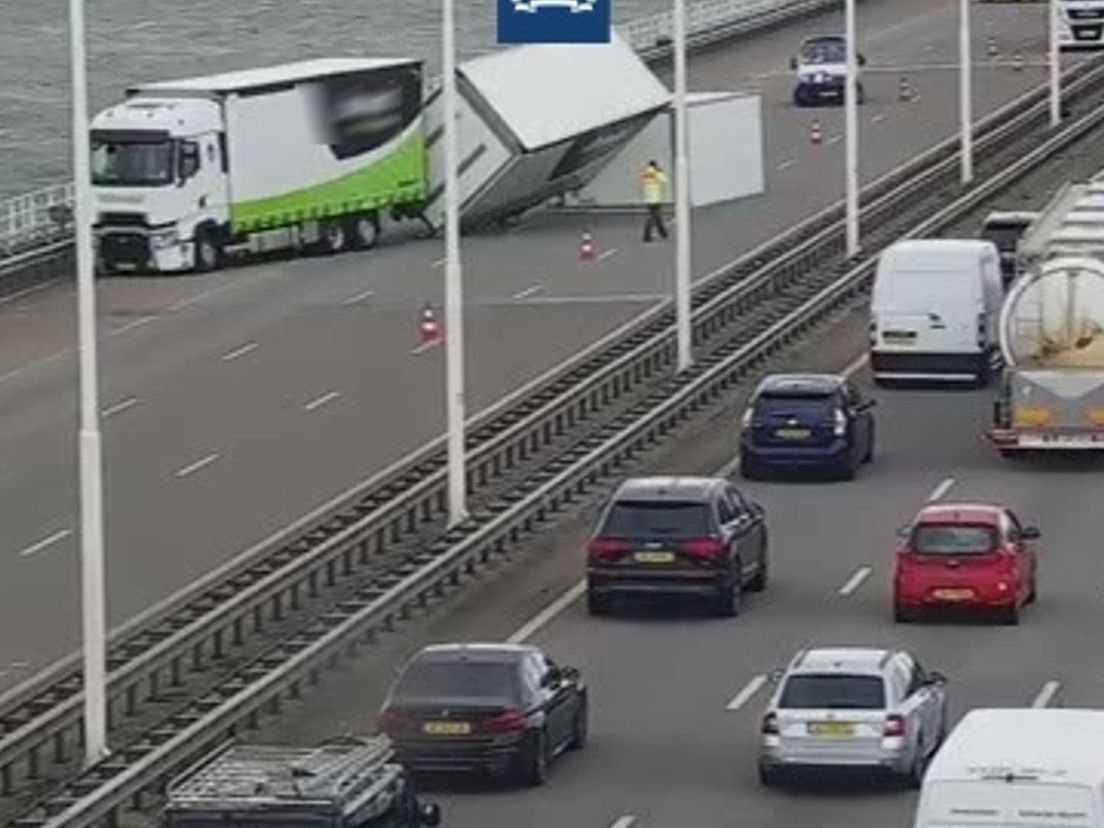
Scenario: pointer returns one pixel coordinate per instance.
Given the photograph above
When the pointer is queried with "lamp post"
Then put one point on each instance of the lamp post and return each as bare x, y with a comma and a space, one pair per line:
682, 195
851, 133
454, 308
93, 625
965, 93
1055, 64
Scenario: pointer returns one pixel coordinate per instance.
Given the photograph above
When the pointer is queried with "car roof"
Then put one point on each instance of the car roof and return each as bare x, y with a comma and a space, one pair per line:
988, 513
673, 488
848, 660
781, 384
487, 653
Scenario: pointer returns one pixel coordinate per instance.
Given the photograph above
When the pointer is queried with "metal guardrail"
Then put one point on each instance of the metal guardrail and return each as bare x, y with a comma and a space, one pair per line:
41, 219
282, 670
214, 614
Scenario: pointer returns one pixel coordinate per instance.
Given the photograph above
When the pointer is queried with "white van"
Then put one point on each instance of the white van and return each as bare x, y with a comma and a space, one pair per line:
934, 311
1021, 768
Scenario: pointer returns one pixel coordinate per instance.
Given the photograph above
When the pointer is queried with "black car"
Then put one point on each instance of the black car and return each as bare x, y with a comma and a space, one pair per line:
691, 536
806, 421
497, 708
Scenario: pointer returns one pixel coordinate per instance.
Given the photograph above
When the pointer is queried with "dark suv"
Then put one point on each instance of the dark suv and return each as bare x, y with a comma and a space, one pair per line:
694, 536
807, 421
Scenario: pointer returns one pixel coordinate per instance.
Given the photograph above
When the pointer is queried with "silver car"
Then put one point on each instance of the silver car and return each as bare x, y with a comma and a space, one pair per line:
850, 707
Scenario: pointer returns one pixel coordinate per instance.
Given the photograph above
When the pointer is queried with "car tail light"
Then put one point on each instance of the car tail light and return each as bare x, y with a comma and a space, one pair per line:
508, 722
745, 421
894, 725
873, 331
770, 724
982, 334
607, 549
840, 429
390, 722
709, 549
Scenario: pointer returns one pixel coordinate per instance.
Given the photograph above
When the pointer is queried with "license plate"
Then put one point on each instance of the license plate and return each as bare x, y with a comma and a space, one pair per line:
655, 557
833, 729
793, 433
447, 728
953, 594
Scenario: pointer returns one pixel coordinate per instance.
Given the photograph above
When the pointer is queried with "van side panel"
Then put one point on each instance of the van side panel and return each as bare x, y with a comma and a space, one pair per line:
995, 803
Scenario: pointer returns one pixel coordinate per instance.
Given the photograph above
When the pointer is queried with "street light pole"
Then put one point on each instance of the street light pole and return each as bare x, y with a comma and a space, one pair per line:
1055, 65
682, 195
91, 460
965, 93
454, 308
851, 130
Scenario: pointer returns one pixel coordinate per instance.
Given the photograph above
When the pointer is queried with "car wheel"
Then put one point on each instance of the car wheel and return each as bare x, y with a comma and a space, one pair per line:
1010, 616
847, 470
533, 761
1033, 595
759, 582
730, 600
579, 727
769, 777
869, 456
919, 764
902, 615
749, 469
597, 604
798, 98
208, 252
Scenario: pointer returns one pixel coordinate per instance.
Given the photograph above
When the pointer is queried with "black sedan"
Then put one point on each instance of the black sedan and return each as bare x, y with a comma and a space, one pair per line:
498, 708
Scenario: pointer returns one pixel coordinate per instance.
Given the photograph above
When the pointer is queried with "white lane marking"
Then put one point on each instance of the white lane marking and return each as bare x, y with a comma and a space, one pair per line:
835, 139
360, 297
853, 583
35, 548
747, 693
785, 165
547, 614
613, 251
626, 821
130, 326
321, 401
878, 118
120, 407
238, 352
19, 294
601, 299
192, 468
1046, 695
425, 346
529, 291
941, 489
31, 366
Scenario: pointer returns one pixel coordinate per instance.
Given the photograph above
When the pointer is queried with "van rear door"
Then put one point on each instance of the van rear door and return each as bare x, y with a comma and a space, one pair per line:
927, 311
996, 803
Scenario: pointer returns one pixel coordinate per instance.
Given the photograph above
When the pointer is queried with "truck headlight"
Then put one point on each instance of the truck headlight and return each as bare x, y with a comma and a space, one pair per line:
162, 239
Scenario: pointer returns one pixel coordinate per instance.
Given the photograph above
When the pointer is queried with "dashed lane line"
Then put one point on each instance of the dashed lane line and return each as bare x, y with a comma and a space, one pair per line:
45, 543
747, 693
120, 407
360, 297
855, 581
547, 614
529, 291
325, 399
239, 352
613, 251
202, 463
1046, 694
941, 489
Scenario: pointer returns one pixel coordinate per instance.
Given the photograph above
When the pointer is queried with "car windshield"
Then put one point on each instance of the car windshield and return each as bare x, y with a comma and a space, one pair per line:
642, 518
936, 539
459, 679
833, 692
829, 50
132, 163
810, 405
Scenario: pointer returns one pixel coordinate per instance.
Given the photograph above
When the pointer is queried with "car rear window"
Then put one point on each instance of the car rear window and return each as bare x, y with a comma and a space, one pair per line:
669, 519
936, 539
459, 679
833, 692
809, 404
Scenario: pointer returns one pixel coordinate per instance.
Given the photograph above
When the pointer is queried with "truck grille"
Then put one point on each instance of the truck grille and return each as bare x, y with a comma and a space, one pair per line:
125, 248
123, 220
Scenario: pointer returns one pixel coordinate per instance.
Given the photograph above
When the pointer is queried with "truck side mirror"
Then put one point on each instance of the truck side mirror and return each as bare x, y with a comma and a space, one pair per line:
189, 161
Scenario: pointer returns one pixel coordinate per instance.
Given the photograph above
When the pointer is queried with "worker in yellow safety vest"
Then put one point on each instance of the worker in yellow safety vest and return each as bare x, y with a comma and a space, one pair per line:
653, 181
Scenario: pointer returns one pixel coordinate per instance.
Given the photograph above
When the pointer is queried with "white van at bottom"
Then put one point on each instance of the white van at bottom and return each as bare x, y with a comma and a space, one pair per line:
935, 309
1017, 768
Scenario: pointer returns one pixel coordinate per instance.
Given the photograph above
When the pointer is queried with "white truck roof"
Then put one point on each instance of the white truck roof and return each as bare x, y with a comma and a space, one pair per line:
932, 254
1052, 745
246, 79
549, 93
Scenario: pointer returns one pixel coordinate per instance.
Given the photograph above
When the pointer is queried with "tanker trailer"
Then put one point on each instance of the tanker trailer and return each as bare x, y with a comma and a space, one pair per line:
1051, 395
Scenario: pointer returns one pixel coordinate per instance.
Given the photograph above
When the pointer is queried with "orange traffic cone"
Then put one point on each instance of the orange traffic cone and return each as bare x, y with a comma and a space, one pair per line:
431, 331
993, 50
815, 135
1018, 61
586, 248
904, 90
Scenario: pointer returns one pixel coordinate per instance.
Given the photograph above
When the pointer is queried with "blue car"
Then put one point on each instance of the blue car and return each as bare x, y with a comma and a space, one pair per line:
806, 421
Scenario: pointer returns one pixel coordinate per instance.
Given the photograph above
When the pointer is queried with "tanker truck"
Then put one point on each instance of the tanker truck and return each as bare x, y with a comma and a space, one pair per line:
1051, 395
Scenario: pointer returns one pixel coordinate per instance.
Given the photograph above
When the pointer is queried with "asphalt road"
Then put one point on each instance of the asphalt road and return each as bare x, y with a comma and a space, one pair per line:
665, 749
238, 401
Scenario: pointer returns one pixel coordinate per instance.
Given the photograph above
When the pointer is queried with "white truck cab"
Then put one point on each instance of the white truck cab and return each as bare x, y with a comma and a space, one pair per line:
821, 67
1017, 768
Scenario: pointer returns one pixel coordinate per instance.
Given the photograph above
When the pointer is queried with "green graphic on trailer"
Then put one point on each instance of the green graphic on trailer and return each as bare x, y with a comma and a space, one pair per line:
399, 178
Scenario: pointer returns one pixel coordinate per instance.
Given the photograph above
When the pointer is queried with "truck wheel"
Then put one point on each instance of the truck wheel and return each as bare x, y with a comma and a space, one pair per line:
208, 251
366, 231
335, 237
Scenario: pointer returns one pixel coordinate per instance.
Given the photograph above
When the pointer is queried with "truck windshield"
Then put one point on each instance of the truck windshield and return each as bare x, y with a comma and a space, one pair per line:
132, 163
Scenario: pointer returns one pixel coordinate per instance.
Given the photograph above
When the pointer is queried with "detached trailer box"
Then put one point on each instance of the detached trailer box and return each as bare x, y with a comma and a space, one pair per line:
539, 121
726, 154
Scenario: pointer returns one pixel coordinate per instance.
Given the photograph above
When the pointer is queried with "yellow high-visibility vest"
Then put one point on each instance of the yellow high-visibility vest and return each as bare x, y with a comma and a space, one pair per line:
653, 181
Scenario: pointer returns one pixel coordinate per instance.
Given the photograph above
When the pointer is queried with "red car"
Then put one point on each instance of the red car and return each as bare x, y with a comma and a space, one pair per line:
965, 556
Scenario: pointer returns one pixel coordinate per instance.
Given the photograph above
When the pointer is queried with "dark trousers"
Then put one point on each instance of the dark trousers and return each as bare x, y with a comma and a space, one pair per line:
654, 222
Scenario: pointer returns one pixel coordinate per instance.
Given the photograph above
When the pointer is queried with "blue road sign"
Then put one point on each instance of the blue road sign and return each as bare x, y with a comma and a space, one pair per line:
553, 21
